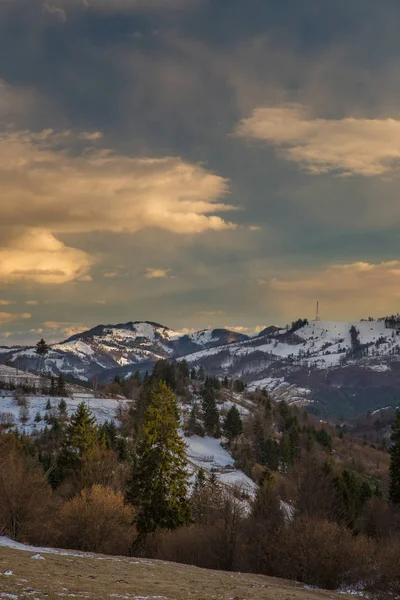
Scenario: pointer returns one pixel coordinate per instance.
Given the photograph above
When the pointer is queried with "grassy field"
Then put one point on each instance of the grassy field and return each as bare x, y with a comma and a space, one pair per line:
97, 577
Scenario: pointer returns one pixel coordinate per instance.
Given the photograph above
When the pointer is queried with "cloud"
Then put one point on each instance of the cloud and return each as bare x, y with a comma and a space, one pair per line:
157, 273
6, 317
7, 302
49, 188
31, 302
57, 12
43, 186
246, 330
65, 329
348, 146
346, 291
36, 255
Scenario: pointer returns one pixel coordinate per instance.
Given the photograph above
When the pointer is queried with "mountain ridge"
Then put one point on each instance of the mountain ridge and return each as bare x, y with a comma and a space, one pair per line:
308, 363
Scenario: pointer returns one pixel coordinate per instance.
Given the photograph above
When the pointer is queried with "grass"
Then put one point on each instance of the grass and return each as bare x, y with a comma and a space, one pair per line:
97, 577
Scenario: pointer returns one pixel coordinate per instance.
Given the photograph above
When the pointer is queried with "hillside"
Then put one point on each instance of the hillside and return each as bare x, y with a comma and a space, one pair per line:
25, 573
316, 363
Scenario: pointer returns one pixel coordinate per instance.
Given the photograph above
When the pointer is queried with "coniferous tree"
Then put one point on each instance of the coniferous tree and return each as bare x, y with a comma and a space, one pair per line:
53, 387
394, 485
62, 407
201, 374
233, 425
61, 388
41, 350
210, 412
82, 435
158, 484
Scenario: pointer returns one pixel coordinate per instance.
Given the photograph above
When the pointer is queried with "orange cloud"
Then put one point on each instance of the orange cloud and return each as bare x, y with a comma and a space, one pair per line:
349, 146
6, 317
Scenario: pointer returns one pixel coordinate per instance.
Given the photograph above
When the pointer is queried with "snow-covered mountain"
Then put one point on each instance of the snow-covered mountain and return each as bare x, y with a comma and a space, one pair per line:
320, 362
122, 348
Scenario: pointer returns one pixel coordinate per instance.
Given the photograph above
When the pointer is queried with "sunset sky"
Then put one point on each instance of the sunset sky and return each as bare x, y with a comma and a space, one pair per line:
198, 163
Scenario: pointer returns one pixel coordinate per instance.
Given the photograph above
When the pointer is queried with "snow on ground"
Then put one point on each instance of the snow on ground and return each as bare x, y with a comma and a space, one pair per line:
17, 377
281, 390
208, 454
104, 409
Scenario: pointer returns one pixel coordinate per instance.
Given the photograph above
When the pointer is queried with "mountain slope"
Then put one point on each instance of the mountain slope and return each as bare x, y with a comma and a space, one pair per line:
120, 348
350, 366
26, 572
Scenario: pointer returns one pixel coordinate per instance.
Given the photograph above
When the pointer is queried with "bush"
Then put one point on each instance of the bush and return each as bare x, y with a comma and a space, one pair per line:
25, 496
97, 520
324, 554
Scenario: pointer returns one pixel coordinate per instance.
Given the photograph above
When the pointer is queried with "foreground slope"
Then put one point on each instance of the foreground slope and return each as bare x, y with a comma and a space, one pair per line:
28, 572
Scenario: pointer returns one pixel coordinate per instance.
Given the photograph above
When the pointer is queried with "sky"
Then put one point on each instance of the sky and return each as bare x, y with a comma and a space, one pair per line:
198, 163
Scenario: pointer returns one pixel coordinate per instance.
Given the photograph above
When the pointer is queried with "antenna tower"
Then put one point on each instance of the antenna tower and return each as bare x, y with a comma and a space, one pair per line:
317, 312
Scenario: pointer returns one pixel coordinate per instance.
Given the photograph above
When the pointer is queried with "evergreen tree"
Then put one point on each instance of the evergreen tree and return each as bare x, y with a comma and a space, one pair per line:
53, 387
62, 407
394, 485
239, 385
193, 374
233, 425
41, 350
194, 426
210, 412
201, 374
82, 435
48, 405
158, 485
61, 388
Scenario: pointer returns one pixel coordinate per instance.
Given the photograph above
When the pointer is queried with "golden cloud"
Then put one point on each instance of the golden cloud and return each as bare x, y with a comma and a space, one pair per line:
157, 273
349, 146
351, 290
38, 256
6, 317
47, 190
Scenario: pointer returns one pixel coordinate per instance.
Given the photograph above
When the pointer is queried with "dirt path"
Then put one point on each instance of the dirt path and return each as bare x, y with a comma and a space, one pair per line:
97, 577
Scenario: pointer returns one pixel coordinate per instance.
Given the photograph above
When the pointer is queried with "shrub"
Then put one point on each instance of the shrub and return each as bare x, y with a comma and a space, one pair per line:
25, 496
97, 520
325, 554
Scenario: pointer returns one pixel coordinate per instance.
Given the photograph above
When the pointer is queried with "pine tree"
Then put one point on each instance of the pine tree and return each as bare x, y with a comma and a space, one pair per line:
41, 350
233, 425
53, 387
62, 407
201, 374
394, 484
158, 485
61, 388
210, 412
82, 434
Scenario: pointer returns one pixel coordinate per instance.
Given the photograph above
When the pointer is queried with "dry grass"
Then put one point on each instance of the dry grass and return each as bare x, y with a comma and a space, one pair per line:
98, 577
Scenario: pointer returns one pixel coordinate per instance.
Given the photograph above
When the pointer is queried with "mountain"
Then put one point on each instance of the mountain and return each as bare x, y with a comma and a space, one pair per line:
335, 367
106, 350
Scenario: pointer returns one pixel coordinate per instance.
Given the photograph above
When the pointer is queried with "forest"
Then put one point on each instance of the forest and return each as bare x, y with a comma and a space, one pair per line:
326, 506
